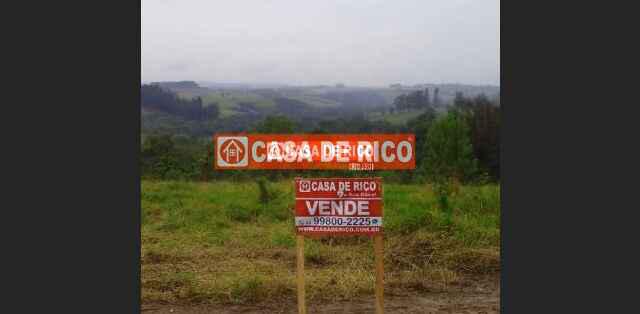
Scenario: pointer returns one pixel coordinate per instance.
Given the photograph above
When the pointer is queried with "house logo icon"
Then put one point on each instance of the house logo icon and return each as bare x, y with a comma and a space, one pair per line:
305, 186
232, 151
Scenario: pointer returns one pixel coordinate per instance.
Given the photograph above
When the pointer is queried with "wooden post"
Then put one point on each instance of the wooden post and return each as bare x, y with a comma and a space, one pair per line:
378, 247
302, 308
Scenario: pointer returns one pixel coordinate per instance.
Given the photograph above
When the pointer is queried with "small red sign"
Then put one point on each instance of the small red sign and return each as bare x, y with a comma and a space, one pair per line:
338, 206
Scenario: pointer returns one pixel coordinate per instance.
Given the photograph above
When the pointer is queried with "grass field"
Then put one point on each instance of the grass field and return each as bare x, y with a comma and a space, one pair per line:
228, 100
214, 243
316, 101
398, 118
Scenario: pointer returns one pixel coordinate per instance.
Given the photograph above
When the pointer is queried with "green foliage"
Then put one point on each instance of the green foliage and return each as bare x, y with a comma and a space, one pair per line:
449, 159
178, 148
483, 117
485, 135
173, 157
266, 195
283, 236
211, 208
420, 127
407, 208
449, 152
442, 190
276, 124
414, 100
240, 213
155, 97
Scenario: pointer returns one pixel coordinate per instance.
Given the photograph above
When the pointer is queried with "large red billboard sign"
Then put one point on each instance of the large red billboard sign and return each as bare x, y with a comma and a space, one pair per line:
338, 206
315, 151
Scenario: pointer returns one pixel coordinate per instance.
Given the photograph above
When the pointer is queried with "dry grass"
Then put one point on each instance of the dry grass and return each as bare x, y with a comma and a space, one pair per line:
195, 249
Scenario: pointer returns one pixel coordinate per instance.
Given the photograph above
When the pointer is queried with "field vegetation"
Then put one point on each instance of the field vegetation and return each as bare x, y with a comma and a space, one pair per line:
217, 242
225, 237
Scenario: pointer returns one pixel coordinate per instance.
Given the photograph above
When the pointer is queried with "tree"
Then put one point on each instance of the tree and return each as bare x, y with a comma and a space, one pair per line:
400, 103
483, 119
459, 102
157, 145
276, 124
414, 100
427, 99
449, 150
165, 156
420, 127
157, 156
449, 158
436, 97
485, 135
212, 111
155, 97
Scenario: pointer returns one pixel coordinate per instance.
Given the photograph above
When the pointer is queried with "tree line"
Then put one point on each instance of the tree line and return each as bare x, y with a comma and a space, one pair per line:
461, 143
153, 96
416, 100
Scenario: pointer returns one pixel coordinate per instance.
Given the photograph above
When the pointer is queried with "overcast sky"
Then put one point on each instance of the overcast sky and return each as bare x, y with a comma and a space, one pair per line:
300, 42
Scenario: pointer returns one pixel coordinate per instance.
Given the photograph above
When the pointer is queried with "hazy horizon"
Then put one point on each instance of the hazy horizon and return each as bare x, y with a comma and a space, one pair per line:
367, 44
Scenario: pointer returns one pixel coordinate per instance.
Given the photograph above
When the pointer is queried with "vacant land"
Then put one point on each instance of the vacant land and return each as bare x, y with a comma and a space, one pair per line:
214, 244
480, 299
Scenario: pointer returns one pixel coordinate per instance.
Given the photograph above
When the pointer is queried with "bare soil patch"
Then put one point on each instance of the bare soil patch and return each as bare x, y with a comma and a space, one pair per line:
476, 297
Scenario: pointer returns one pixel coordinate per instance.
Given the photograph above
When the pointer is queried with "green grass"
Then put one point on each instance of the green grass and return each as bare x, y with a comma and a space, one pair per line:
316, 101
398, 118
228, 102
214, 242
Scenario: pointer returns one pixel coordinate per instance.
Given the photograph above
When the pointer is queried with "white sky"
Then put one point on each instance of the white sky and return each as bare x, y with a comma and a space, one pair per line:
304, 42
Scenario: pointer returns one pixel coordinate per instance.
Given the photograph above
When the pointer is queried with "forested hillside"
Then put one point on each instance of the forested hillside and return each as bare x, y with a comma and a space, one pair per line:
179, 119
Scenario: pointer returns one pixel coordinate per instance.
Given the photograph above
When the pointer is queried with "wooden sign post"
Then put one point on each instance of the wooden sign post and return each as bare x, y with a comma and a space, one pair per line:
302, 308
339, 206
378, 251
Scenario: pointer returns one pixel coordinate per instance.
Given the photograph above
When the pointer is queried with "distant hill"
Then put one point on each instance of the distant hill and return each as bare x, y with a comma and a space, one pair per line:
177, 85
227, 85
240, 104
448, 91
190, 88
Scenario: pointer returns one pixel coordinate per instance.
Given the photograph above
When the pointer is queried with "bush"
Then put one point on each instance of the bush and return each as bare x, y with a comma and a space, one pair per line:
266, 195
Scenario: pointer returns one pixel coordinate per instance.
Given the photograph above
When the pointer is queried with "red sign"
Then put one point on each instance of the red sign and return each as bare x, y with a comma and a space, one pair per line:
338, 206
315, 151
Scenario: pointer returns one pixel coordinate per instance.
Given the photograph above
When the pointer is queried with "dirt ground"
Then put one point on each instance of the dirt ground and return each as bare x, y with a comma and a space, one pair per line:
476, 298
